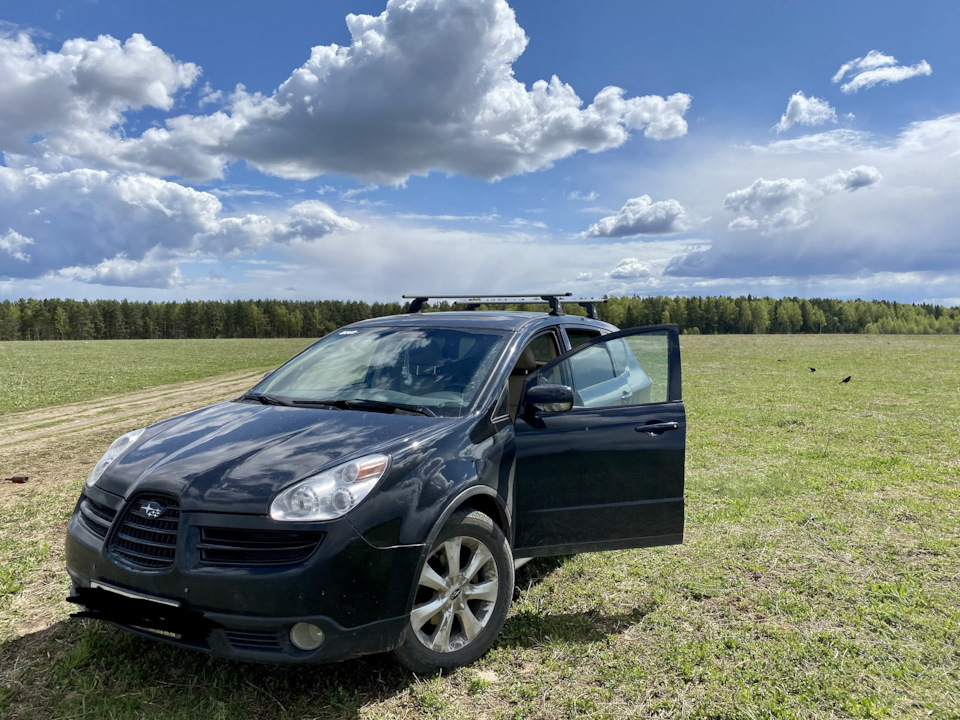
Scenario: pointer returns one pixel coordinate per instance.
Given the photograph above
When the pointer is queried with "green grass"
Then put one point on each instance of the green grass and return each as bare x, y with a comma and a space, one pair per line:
820, 577
41, 374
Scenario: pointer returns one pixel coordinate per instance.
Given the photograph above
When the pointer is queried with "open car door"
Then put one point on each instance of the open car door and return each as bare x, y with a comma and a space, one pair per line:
608, 472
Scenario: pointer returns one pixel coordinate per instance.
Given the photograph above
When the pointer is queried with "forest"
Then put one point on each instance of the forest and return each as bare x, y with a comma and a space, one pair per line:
56, 319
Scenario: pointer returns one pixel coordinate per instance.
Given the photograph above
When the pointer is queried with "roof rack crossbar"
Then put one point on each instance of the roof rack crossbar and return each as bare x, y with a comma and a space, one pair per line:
472, 302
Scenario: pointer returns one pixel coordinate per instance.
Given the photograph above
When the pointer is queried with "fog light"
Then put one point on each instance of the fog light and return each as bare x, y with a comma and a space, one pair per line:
306, 636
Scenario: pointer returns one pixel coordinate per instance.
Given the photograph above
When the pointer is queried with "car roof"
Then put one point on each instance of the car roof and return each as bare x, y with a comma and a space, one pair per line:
509, 321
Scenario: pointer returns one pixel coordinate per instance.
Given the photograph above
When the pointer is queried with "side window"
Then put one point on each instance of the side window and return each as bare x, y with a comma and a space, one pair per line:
592, 367
544, 348
538, 352
649, 355
580, 336
633, 370
503, 405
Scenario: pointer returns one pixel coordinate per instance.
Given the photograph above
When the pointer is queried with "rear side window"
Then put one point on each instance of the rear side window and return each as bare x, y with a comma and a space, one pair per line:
580, 336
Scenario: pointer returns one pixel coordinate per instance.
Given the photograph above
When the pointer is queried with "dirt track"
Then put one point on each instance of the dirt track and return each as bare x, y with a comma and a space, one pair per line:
56, 448
60, 444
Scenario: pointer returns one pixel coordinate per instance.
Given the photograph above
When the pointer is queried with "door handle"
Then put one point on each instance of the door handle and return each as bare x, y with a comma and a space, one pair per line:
657, 428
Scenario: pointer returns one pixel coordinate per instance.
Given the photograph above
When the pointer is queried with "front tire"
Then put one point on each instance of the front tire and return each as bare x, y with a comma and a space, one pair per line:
462, 596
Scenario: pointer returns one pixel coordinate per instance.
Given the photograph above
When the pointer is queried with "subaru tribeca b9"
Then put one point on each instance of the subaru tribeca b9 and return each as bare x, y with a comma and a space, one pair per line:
376, 491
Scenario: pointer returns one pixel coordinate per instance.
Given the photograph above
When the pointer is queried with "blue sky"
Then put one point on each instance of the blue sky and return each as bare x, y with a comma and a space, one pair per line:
360, 149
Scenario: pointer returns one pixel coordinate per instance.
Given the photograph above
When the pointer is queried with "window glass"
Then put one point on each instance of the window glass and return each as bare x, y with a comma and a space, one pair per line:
439, 368
592, 366
650, 353
578, 336
544, 348
633, 370
620, 353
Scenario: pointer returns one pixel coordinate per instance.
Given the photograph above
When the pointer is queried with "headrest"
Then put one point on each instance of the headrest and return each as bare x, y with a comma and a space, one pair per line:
429, 354
526, 363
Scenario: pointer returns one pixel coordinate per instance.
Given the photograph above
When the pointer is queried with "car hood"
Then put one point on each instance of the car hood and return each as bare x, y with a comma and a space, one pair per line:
235, 456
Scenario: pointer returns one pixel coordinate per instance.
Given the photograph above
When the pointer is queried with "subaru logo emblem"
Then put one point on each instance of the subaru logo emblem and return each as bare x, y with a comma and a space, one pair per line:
152, 509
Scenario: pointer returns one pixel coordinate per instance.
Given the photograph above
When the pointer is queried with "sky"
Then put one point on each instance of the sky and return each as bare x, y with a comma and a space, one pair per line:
361, 149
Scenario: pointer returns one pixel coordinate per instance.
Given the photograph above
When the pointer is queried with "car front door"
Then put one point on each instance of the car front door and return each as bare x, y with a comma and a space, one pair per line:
607, 473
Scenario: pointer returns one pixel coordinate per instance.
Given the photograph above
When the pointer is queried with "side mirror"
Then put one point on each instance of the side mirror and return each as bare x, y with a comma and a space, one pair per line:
549, 398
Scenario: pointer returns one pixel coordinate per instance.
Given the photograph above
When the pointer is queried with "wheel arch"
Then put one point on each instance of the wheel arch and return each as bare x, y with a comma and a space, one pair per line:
478, 497
481, 498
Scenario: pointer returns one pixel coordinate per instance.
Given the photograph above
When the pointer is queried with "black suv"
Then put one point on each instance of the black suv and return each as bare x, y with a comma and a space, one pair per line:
377, 491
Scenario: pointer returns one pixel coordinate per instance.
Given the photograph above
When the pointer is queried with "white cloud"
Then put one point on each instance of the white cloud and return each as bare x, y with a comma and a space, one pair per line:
397, 258
486, 218
839, 141
744, 222
151, 272
77, 94
95, 226
784, 204
765, 195
524, 223
641, 216
13, 244
939, 137
859, 177
391, 105
891, 209
309, 221
630, 269
803, 110
387, 106
873, 60
586, 197
876, 68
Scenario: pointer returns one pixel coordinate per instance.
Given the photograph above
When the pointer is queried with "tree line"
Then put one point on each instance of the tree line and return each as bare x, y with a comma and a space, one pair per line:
56, 319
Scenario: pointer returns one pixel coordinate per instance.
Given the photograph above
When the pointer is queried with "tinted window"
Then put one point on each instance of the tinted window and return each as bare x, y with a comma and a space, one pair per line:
578, 337
544, 348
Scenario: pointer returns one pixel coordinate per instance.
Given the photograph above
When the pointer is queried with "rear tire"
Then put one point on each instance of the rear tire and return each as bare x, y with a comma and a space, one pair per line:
461, 598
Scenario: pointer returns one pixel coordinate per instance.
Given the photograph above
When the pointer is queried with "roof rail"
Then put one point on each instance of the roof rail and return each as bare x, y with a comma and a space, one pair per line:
554, 300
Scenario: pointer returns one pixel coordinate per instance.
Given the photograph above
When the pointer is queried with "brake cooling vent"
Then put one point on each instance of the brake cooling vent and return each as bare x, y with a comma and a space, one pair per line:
95, 517
147, 534
227, 546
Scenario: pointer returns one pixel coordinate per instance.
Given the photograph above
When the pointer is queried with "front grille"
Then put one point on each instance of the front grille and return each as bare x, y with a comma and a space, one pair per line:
147, 535
96, 517
226, 546
260, 640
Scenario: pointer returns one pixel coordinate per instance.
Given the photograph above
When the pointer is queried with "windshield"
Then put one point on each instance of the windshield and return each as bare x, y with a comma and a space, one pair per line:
438, 370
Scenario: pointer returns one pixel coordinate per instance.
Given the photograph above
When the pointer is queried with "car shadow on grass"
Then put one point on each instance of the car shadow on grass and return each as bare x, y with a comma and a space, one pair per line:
527, 628
83, 667
87, 668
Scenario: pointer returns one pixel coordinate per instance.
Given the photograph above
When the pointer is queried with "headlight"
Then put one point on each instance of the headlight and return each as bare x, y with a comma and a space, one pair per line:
331, 493
113, 452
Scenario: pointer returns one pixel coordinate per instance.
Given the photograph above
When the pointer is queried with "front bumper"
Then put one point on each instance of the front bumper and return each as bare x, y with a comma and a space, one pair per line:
234, 607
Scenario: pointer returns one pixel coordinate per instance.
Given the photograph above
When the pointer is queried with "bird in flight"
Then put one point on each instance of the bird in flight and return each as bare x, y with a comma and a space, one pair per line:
846, 379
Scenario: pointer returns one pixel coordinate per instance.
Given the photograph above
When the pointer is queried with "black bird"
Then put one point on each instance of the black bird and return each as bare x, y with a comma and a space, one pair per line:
812, 369
846, 379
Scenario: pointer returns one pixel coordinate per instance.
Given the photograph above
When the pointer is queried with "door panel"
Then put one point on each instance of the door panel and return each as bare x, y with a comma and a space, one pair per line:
592, 478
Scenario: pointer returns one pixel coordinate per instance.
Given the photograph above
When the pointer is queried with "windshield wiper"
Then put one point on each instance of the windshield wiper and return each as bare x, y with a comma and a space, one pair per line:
265, 399
365, 404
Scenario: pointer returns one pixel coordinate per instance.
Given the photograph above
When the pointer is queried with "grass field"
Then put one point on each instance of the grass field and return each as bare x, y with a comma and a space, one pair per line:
820, 576
41, 374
